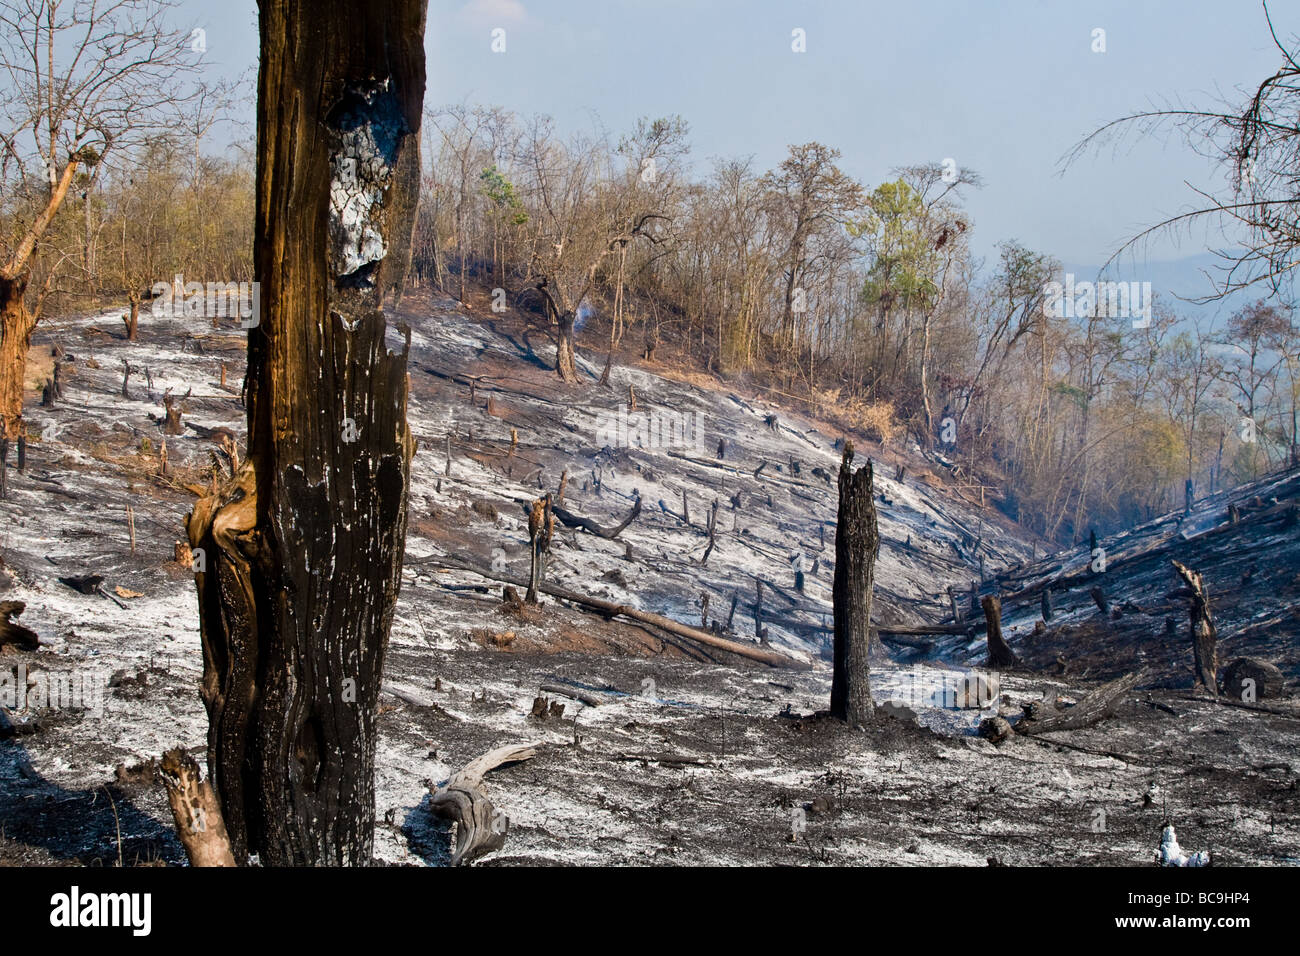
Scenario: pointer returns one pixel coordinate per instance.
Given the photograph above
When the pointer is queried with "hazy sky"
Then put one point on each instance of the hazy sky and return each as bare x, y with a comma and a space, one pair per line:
1005, 88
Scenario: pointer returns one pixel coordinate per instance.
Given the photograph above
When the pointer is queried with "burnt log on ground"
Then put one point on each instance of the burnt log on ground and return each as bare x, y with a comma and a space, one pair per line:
610, 609
1092, 709
571, 520
480, 827
591, 700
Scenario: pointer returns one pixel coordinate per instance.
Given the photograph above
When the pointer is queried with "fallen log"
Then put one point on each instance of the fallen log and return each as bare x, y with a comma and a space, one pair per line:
571, 520
925, 629
610, 609
1092, 709
480, 827
573, 693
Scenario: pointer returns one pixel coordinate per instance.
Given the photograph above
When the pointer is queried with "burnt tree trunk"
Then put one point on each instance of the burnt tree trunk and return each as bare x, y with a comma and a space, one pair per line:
132, 320
303, 547
1204, 636
857, 541
15, 340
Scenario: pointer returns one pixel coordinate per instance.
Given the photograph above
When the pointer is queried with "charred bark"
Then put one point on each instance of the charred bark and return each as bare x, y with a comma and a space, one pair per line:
301, 552
857, 541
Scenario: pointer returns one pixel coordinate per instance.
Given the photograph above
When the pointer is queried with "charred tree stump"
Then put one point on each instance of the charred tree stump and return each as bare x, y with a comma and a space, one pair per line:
1000, 655
1047, 604
480, 827
857, 541
1099, 597
955, 604
1204, 654
303, 549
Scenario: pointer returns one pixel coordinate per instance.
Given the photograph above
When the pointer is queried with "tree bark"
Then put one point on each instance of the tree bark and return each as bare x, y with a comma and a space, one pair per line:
16, 326
16, 321
857, 541
303, 547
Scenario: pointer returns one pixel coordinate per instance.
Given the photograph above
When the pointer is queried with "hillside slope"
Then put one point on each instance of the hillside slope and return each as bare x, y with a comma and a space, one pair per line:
684, 753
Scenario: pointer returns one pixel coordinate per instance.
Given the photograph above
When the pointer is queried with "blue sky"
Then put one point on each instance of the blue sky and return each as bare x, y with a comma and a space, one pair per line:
1005, 88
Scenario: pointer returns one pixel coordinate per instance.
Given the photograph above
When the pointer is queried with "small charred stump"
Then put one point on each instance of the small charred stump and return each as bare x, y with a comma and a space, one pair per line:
172, 426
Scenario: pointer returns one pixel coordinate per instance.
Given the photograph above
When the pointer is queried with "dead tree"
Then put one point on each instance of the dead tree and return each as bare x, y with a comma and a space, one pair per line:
857, 541
1000, 655
541, 527
303, 549
1204, 653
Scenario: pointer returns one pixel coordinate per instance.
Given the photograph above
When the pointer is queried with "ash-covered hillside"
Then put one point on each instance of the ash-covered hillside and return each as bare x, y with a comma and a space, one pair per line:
656, 748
